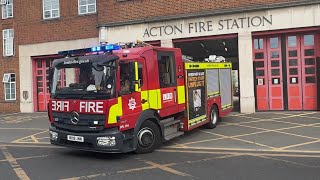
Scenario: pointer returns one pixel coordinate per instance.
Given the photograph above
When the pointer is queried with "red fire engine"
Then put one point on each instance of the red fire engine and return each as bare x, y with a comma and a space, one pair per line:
115, 99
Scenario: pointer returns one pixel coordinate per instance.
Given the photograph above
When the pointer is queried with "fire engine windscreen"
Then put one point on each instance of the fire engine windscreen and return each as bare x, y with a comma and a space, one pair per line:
72, 79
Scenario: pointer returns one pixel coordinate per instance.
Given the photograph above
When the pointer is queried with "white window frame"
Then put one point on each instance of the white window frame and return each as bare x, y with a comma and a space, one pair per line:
50, 10
8, 42
6, 4
7, 80
87, 7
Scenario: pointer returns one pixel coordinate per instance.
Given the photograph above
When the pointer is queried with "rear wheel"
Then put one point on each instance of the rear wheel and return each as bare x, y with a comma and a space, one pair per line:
148, 137
214, 117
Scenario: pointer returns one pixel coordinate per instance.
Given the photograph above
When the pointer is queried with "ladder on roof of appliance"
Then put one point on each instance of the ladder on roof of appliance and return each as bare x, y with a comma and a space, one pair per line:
127, 45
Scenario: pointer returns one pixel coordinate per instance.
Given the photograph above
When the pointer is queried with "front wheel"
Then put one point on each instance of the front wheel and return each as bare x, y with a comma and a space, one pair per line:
148, 137
214, 117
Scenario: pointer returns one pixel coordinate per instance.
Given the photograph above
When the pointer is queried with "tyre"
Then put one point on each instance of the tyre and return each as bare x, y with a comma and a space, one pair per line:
148, 137
214, 117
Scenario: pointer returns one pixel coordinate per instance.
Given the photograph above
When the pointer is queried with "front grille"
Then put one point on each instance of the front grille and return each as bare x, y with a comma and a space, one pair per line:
87, 122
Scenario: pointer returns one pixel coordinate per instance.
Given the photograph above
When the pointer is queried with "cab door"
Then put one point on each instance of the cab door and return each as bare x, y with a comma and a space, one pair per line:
131, 81
168, 82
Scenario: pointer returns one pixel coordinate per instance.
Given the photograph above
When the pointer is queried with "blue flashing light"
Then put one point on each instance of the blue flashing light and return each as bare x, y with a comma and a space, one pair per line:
111, 47
108, 47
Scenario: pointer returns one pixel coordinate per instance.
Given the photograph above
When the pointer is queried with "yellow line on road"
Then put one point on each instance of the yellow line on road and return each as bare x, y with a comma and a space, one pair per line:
297, 145
271, 154
247, 122
254, 133
153, 166
22, 175
117, 172
280, 130
30, 136
40, 129
5, 115
32, 145
272, 119
25, 142
212, 158
230, 137
310, 117
226, 137
286, 161
34, 139
166, 168
24, 158
243, 150
295, 115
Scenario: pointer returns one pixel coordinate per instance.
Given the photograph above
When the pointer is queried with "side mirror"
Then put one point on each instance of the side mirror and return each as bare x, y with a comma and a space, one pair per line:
98, 67
132, 88
50, 76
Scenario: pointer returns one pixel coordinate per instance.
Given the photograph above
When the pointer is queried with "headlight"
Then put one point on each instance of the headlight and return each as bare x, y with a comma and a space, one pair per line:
53, 136
106, 141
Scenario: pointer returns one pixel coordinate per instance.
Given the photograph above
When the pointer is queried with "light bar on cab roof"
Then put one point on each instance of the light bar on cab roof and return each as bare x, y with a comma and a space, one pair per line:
108, 47
105, 48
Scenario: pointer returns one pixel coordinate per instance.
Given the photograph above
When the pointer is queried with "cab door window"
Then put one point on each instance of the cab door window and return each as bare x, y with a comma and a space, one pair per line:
167, 73
130, 77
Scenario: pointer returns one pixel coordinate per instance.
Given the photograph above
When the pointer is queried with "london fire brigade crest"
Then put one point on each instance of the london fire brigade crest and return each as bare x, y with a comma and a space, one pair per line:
132, 104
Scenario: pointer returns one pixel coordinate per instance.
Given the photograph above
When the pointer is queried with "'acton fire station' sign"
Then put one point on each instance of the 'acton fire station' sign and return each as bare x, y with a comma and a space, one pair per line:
207, 26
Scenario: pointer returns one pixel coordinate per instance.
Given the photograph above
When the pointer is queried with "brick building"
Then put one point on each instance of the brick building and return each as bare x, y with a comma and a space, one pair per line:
273, 44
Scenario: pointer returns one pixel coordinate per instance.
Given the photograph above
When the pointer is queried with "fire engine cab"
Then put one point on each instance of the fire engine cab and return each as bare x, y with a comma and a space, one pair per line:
113, 98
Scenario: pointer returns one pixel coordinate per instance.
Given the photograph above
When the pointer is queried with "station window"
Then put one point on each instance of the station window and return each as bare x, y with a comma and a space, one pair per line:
87, 6
8, 36
292, 41
258, 43
274, 42
51, 9
308, 40
9, 81
7, 9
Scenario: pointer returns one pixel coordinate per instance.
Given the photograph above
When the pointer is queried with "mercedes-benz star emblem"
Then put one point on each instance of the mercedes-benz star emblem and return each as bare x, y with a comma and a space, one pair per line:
74, 117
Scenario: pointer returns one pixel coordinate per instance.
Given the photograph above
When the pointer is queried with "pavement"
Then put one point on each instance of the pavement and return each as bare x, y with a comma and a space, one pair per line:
265, 145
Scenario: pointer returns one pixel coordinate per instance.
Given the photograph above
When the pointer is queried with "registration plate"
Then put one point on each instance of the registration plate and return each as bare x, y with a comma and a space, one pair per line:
75, 138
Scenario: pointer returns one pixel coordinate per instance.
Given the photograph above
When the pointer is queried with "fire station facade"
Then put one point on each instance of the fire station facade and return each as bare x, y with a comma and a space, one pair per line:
278, 52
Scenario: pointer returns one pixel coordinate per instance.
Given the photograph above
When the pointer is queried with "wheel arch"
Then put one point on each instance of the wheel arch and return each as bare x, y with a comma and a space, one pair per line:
217, 106
151, 115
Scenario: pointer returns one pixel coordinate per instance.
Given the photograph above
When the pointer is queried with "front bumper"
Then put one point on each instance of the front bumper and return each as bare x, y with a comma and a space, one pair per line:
123, 144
